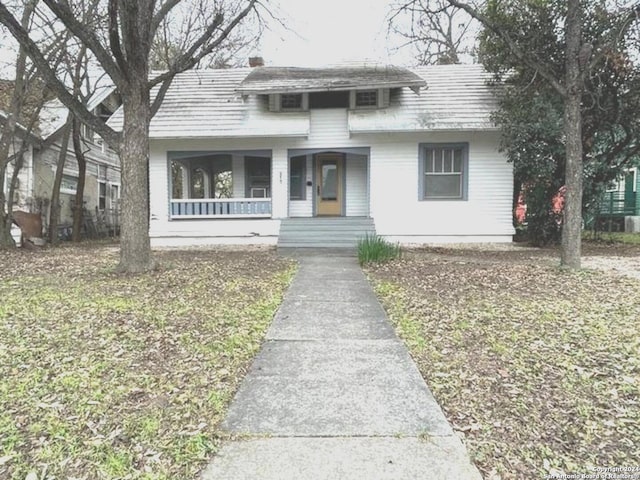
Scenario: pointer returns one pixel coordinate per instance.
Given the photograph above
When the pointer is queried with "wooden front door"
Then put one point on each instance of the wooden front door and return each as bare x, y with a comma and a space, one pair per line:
329, 183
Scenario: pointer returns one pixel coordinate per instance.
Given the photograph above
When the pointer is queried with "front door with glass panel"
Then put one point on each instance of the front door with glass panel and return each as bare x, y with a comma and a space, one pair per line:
329, 183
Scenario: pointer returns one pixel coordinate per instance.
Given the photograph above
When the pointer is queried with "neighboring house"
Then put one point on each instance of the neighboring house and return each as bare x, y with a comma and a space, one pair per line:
622, 195
301, 155
619, 208
36, 177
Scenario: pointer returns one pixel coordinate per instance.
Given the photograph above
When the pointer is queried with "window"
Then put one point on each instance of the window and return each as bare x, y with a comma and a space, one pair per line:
612, 186
258, 192
367, 98
291, 101
443, 172
202, 175
329, 99
86, 132
102, 195
69, 185
257, 175
297, 178
115, 196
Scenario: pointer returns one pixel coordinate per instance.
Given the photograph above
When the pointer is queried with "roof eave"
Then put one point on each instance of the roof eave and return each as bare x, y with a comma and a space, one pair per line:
24, 130
250, 135
424, 130
415, 86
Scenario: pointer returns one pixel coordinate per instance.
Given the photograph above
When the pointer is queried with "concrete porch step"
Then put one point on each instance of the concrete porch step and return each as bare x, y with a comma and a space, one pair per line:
329, 232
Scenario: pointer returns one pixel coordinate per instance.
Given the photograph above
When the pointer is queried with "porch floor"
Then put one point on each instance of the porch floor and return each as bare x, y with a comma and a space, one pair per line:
324, 232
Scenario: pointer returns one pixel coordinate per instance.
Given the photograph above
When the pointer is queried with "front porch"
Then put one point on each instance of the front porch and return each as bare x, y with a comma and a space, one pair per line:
210, 185
245, 184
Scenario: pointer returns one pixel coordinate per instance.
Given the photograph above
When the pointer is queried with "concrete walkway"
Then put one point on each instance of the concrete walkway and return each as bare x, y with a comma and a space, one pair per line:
333, 393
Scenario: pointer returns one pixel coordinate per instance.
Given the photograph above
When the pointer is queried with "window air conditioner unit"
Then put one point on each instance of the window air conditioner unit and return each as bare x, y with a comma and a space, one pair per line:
258, 192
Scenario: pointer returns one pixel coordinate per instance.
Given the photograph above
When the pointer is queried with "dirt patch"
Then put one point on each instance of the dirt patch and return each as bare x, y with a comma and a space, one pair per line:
537, 367
616, 258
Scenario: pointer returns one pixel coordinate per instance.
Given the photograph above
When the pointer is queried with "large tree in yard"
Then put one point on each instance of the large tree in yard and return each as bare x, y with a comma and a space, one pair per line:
531, 110
577, 60
122, 48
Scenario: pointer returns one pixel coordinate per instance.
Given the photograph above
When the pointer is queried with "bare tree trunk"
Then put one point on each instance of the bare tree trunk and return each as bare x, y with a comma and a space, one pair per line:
82, 176
135, 247
572, 226
18, 163
6, 240
7, 135
6, 218
54, 208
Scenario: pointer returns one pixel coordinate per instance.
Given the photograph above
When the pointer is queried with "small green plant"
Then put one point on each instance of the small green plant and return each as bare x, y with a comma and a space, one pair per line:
373, 248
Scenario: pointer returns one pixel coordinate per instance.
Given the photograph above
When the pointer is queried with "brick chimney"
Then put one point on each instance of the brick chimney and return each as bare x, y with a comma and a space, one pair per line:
256, 62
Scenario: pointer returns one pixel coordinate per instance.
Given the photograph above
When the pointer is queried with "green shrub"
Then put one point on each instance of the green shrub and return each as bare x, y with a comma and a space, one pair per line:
373, 248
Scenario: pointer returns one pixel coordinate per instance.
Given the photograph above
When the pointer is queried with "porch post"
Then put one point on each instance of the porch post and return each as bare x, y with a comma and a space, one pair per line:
186, 180
279, 183
237, 176
206, 173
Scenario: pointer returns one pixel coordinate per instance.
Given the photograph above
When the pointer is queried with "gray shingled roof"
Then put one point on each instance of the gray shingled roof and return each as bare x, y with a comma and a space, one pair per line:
206, 104
293, 79
458, 97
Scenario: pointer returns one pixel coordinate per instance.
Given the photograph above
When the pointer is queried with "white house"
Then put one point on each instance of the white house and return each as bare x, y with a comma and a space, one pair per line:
319, 156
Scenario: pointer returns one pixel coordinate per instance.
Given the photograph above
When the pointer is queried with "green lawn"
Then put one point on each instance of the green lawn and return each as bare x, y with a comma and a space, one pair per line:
104, 376
612, 237
538, 368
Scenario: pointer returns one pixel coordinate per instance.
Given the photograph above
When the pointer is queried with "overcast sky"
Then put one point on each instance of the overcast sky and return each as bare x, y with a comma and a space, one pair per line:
330, 31
319, 32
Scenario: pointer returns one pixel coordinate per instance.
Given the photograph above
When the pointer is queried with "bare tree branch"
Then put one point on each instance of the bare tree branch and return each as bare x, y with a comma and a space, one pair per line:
161, 14
527, 58
63, 11
159, 98
114, 37
191, 57
49, 74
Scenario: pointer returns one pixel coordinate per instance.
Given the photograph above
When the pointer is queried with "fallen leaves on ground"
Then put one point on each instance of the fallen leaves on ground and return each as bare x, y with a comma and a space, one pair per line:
538, 367
106, 376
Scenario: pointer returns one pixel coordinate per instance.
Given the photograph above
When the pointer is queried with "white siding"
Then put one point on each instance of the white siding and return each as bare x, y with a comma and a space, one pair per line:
393, 196
159, 194
304, 208
399, 213
356, 199
328, 125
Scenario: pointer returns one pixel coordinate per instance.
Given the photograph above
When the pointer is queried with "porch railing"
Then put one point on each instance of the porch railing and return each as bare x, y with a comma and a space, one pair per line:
221, 208
618, 203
